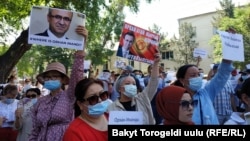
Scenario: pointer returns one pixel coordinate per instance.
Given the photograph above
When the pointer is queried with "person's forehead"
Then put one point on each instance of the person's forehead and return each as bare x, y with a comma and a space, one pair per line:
12, 93
129, 79
93, 89
52, 72
192, 70
186, 96
31, 92
128, 36
61, 12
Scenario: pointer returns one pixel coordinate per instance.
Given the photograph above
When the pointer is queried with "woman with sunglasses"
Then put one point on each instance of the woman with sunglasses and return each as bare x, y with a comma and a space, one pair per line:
53, 112
175, 105
131, 100
91, 123
23, 122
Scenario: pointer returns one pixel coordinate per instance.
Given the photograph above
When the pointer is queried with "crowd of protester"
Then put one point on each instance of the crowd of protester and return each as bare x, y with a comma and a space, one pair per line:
60, 107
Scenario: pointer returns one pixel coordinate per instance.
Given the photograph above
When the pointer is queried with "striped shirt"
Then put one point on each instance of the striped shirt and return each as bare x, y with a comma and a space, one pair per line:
222, 101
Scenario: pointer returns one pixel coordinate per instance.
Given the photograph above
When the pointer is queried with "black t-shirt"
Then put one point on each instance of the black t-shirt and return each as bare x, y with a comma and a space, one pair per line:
127, 106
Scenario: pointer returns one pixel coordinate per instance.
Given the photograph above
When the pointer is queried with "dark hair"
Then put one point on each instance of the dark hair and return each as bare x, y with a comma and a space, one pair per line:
9, 88
246, 87
80, 91
36, 90
105, 71
11, 78
181, 74
130, 33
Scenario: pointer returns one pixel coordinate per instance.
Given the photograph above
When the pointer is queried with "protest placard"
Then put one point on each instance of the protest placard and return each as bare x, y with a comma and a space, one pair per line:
138, 44
232, 44
55, 27
200, 52
125, 118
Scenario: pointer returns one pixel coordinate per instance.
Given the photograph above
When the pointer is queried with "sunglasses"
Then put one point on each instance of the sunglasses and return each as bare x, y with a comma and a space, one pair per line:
94, 99
185, 104
31, 96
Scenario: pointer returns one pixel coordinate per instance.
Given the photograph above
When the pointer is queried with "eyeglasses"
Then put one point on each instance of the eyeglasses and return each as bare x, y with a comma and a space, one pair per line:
94, 99
59, 18
185, 104
52, 77
31, 96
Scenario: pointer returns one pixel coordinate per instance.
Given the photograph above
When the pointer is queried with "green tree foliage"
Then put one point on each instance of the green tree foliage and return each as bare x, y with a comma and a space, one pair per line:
104, 22
240, 22
185, 45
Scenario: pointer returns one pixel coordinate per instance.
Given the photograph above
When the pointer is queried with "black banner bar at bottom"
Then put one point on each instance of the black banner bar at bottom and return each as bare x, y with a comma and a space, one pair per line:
163, 133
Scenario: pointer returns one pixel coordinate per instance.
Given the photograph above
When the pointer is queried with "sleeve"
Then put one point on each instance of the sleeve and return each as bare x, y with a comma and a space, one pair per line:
76, 76
220, 79
35, 129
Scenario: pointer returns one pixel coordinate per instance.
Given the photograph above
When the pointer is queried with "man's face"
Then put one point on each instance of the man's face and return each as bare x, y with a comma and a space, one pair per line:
128, 41
59, 21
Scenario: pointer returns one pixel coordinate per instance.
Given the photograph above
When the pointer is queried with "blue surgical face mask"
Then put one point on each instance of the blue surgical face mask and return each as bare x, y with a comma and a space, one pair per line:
130, 90
98, 109
195, 83
138, 76
244, 77
9, 100
52, 84
34, 100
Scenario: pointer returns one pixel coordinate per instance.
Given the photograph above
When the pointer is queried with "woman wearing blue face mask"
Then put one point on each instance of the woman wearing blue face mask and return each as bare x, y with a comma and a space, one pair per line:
23, 122
52, 113
91, 122
8, 105
188, 77
131, 100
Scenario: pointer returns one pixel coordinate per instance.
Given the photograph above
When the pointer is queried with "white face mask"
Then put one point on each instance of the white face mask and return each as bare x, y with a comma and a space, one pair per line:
202, 75
130, 90
15, 81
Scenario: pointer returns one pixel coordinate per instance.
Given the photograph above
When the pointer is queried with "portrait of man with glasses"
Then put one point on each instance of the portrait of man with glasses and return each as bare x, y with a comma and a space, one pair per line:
59, 22
56, 27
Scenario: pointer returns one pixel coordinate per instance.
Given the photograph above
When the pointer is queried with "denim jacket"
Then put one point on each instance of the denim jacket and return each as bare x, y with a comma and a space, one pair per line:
206, 95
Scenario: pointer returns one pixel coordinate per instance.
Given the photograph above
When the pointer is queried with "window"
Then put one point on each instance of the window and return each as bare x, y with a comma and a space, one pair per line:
132, 63
167, 55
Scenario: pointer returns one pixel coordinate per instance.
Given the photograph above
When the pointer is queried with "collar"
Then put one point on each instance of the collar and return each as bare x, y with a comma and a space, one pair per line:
51, 35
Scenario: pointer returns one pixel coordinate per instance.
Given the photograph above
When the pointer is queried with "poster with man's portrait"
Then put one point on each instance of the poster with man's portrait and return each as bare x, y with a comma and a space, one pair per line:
138, 44
55, 27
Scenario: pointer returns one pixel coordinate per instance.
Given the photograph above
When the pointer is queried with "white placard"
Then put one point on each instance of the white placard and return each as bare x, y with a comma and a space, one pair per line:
125, 118
119, 64
104, 76
211, 66
232, 46
248, 66
87, 64
200, 52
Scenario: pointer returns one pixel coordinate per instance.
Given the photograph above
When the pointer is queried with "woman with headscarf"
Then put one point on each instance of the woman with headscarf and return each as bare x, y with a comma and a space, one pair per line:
188, 77
175, 105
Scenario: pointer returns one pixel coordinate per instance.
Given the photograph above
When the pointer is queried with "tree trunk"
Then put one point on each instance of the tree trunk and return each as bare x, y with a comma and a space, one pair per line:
9, 59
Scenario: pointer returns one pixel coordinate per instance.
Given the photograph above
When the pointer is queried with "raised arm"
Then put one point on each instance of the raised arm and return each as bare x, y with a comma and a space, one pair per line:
152, 87
77, 68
